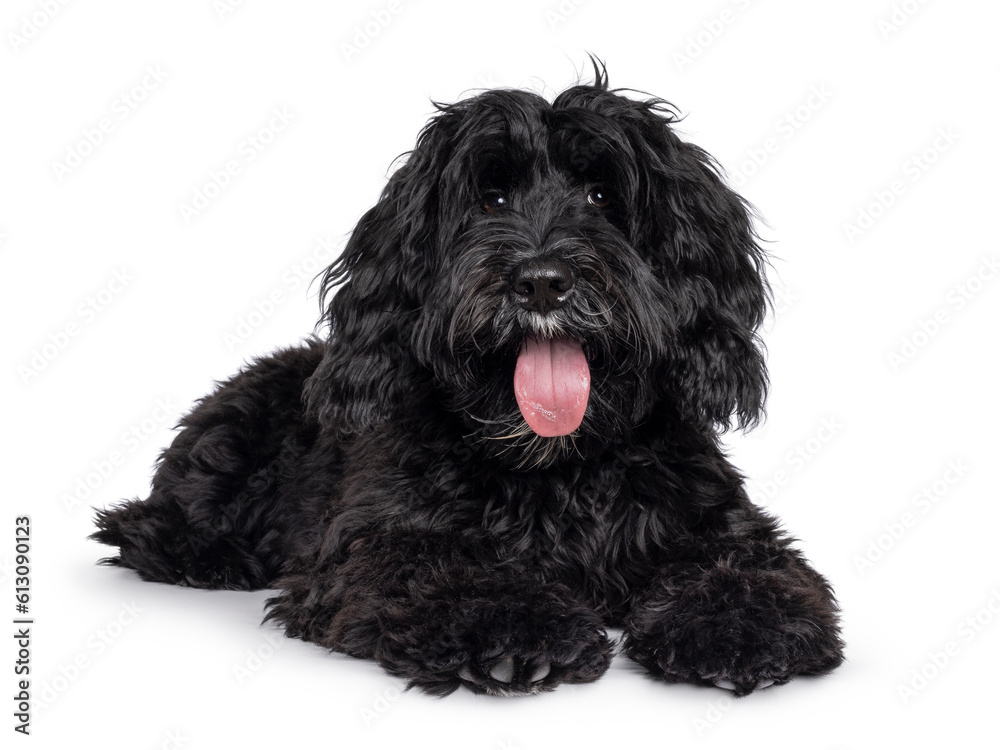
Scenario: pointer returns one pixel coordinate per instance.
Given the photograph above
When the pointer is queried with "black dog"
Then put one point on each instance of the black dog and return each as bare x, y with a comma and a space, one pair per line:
510, 439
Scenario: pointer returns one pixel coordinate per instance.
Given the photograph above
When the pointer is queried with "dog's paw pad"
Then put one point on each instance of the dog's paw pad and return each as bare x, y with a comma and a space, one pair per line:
508, 675
541, 672
503, 670
744, 689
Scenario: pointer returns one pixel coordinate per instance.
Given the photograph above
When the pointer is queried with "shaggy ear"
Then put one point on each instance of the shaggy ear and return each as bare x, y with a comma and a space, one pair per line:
379, 280
714, 270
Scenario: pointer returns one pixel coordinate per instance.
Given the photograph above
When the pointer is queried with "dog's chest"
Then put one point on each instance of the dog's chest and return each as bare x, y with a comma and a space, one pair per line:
573, 525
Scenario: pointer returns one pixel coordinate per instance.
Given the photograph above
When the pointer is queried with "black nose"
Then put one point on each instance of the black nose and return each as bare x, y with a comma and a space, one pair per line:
541, 284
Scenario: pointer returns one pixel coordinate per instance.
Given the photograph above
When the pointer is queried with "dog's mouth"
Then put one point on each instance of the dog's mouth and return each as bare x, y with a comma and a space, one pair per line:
552, 384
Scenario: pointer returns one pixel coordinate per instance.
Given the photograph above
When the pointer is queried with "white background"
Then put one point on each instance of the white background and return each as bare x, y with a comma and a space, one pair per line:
815, 110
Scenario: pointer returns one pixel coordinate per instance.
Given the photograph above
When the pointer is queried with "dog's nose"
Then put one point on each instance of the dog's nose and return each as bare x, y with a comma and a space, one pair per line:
542, 284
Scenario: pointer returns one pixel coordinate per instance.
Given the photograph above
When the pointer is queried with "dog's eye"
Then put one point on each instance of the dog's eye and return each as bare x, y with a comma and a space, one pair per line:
494, 201
599, 196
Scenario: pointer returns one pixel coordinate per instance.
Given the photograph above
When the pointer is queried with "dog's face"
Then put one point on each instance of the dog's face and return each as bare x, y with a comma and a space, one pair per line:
551, 274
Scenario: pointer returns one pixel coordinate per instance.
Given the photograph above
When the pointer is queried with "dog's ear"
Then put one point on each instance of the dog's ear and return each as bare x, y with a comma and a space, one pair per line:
374, 290
714, 270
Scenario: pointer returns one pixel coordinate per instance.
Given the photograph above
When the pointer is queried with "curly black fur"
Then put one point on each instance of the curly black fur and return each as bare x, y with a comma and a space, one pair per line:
385, 480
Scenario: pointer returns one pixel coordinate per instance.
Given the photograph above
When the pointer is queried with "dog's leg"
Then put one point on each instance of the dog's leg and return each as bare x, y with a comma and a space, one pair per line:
216, 516
443, 612
735, 605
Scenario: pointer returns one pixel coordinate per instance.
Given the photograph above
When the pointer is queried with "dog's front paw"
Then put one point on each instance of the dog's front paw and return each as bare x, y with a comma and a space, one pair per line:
741, 630
511, 643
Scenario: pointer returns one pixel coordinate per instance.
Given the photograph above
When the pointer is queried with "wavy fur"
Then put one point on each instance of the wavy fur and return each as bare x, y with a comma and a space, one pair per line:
384, 480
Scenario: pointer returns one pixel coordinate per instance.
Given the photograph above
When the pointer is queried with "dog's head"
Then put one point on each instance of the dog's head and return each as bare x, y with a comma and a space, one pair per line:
551, 274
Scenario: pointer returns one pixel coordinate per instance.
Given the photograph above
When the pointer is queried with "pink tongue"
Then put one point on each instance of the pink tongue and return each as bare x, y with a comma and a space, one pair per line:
552, 385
